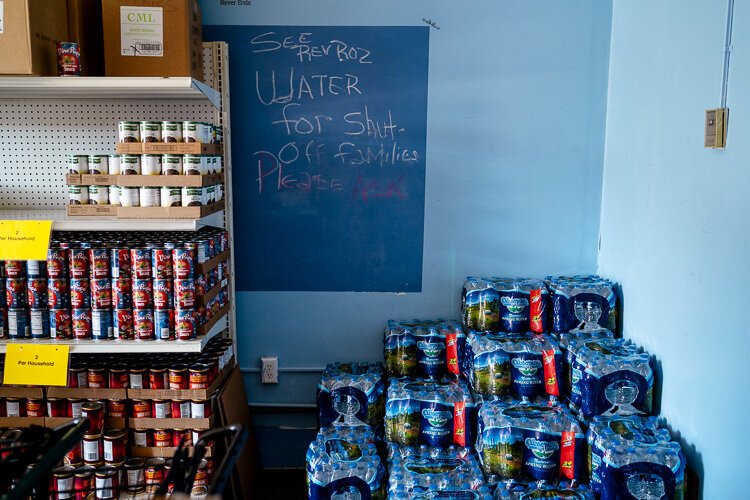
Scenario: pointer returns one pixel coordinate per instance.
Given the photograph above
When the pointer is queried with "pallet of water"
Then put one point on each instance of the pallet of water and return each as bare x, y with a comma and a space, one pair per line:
423, 348
351, 394
427, 472
505, 304
343, 462
631, 457
430, 412
546, 491
524, 365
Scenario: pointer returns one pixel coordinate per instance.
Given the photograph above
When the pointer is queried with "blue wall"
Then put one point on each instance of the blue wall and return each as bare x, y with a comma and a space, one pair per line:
674, 226
516, 113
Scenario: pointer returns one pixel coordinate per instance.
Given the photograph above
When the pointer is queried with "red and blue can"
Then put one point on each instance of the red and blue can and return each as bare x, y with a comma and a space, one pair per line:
203, 251
39, 324
122, 293
120, 263
78, 263
15, 269
18, 324
80, 293
15, 293
164, 324
183, 262
68, 59
123, 324
184, 294
101, 293
200, 285
143, 294
60, 324
36, 296
99, 263
36, 268
161, 263
58, 293
185, 324
143, 322
163, 296
3, 323
57, 263
140, 260
101, 324
81, 319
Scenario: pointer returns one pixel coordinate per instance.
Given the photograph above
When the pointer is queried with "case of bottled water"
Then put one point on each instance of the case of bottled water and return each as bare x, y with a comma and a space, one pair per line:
582, 302
525, 365
505, 304
430, 412
343, 464
547, 492
351, 394
423, 348
518, 442
426, 472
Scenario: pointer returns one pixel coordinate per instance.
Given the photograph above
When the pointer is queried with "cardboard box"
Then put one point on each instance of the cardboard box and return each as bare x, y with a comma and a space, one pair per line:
21, 392
86, 393
204, 329
98, 180
171, 423
92, 210
16, 422
167, 148
85, 29
159, 451
29, 32
167, 213
202, 300
204, 267
152, 38
169, 180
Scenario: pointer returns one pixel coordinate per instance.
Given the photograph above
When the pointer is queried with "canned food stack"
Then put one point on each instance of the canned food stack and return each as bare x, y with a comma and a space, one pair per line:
430, 472
522, 442
24, 310
523, 365
423, 348
344, 459
430, 412
582, 302
505, 304
351, 394
611, 378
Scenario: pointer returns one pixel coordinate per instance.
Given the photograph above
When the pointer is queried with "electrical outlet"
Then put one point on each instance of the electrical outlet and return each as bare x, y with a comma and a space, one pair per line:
269, 369
716, 128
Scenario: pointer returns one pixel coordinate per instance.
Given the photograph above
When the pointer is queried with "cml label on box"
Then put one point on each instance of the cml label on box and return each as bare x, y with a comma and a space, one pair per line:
141, 31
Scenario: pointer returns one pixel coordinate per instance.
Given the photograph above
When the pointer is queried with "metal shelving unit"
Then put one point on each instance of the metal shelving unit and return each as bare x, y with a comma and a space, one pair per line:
62, 222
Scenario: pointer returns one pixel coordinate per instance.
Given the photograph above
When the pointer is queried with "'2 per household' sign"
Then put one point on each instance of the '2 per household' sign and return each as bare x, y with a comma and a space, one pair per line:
328, 152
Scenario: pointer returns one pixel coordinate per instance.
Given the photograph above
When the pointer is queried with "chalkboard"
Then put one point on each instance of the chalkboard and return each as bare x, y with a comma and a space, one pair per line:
328, 156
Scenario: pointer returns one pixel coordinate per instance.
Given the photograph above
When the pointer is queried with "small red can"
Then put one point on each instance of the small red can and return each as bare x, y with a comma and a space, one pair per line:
15, 407
184, 293
57, 263
143, 323
36, 407
101, 293
158, 377
180, 408
99, 263
15, 293
56, 407
185, 324
133, 475
114, 445
81, 319
143, 294
116, 408
162, 294
178, 377
201, 475
36, 296
97, 377
2, 414
140, 408
199, 376
58, 293
84, 482
161, 263
80, 293
163, 438
107, 482
200, 408
120, 263
62, 482
74, 456
122, 293
15, 269
78, 263
123, 324
177, 435
154, 474
75, 408
118, 377
143, 438
94, 412
68, 60
78, 376
93, 448
183, 262
138, 378
161, 408
140, 260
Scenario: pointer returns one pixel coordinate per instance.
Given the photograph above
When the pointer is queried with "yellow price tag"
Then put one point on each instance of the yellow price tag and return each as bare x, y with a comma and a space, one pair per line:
36, 364
24, 239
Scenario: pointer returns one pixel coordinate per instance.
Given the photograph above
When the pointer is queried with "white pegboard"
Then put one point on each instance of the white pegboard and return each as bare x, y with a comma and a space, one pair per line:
37, 135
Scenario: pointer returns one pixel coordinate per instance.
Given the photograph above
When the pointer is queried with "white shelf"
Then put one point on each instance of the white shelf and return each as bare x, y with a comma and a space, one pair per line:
100, 87
62, 222
125, 346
